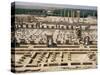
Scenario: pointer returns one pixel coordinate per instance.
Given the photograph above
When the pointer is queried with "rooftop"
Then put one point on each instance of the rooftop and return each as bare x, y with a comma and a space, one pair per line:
29, 5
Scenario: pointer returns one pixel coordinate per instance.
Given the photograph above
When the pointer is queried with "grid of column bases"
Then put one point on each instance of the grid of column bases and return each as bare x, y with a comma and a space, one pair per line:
51, 42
